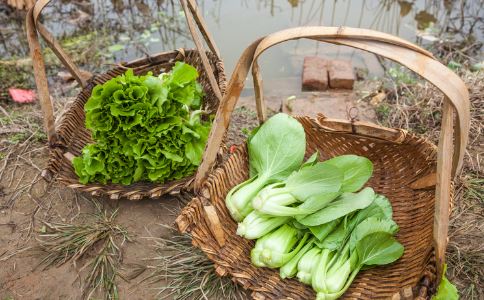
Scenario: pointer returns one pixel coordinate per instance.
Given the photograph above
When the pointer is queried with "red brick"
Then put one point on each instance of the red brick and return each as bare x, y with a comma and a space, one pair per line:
315, 74
341, 75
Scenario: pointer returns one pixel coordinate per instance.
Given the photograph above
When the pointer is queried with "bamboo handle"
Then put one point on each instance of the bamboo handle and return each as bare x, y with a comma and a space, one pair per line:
35, 12
191, 14
202, 26
34, 27
396, 49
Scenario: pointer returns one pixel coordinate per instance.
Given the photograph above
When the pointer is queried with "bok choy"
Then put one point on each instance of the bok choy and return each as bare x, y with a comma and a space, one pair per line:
256, 225
316, 221
312, 188
336, 271
278, 247
275, 151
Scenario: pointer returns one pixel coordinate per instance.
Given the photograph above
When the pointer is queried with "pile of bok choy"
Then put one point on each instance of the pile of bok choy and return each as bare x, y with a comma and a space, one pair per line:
313, 220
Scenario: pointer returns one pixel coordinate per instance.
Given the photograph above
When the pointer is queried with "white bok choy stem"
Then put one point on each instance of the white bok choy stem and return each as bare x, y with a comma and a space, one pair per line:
256, 225
290, 268
278, 247
307, 264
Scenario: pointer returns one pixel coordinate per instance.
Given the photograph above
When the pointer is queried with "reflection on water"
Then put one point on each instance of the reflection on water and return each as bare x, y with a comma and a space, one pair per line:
120, 30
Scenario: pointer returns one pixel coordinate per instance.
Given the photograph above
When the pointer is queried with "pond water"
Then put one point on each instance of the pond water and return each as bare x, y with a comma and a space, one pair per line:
125, 29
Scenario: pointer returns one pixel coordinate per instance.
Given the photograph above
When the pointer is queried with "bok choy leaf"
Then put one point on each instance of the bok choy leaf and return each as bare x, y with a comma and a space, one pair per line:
345, 204
357, 171
312, 187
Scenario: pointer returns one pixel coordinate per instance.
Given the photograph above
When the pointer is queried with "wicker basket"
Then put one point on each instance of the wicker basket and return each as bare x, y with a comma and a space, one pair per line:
70, 136
413, 173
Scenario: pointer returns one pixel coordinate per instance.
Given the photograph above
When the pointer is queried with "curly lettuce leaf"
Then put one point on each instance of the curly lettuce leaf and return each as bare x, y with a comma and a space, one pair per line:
144, 128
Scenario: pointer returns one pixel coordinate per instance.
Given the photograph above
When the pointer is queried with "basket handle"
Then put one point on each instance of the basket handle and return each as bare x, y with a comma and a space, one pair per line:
416, 59
194, 21
33, 27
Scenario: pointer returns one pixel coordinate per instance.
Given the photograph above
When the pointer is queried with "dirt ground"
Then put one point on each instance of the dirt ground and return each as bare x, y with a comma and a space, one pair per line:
21, 277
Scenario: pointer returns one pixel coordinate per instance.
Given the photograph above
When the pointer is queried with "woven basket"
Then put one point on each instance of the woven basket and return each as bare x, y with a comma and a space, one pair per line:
70, 136
413, 173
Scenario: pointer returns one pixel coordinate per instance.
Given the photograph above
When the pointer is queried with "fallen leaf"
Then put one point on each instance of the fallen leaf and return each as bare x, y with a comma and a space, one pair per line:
67, 77
478, 66
378, 98
115, 48
22, 96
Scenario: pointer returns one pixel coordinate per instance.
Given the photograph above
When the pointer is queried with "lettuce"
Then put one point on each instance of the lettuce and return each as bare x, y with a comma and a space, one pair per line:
145, 128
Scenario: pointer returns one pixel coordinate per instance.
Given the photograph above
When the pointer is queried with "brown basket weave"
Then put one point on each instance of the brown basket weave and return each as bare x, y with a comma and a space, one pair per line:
409, 170
70, 136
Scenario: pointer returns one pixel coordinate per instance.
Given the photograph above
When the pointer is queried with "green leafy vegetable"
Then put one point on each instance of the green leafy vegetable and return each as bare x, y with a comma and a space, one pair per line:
378, 248
307, 264
357, 171
144, 128
317, 184
323, 230
311, 161
345, 204
335, 240
446, 290
278, 247
313, 220
275, 150
336, 272
290, 268
369, 226
256, 225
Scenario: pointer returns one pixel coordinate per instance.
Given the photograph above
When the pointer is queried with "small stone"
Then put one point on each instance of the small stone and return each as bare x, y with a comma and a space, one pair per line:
341, 75
315, 74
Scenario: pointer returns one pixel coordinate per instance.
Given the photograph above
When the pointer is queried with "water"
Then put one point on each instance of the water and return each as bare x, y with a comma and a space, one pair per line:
128, 29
